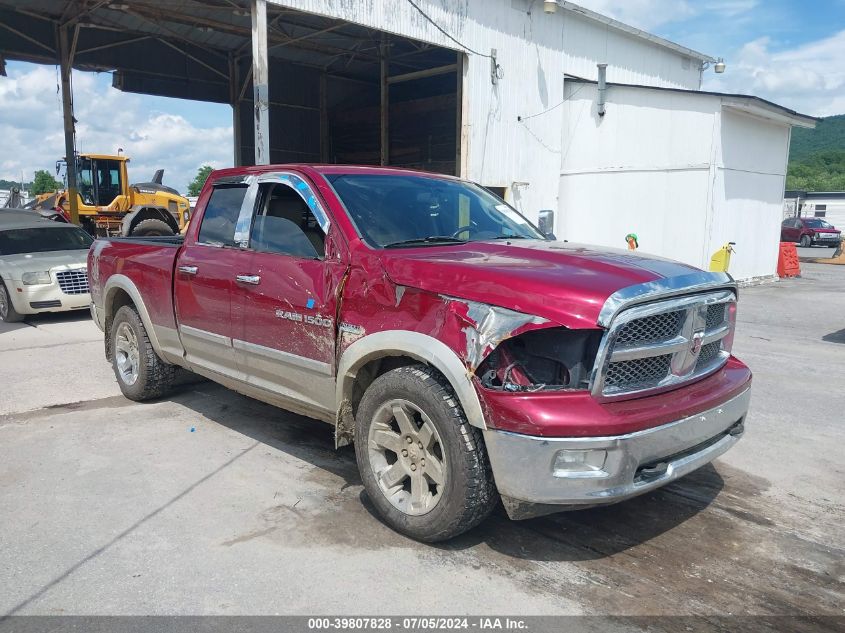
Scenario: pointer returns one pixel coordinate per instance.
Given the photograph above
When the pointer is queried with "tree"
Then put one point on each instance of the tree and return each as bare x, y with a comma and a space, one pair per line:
202, 175
43, 182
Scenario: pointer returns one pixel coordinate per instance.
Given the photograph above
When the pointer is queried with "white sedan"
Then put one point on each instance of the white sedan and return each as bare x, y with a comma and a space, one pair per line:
42, 267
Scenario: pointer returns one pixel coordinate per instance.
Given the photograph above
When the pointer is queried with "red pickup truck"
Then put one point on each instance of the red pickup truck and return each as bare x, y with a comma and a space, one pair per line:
468, 357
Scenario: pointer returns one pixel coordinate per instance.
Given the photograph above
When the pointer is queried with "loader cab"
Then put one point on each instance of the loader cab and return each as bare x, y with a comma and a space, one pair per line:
100, 179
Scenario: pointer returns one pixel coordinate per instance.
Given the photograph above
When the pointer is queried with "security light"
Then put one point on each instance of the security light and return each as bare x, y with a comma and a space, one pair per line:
550, 6
719, 66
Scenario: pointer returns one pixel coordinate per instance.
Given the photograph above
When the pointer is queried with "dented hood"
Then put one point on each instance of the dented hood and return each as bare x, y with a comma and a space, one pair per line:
562, 282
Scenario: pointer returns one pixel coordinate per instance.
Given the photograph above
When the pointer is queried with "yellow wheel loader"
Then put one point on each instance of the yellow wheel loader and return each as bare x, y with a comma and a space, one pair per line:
108, 205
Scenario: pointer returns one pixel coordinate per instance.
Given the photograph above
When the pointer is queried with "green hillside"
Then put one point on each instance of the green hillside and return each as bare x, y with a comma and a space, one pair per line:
817, 157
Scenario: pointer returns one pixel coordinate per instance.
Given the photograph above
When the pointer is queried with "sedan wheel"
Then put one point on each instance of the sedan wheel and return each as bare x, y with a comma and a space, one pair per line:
805, 241
8, 314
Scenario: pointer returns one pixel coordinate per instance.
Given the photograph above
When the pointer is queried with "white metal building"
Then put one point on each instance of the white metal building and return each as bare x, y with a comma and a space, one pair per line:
497, 91
686, 170
829, 205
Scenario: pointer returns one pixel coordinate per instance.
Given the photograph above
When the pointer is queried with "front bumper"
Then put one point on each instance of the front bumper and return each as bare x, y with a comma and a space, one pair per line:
530, 485
44, 298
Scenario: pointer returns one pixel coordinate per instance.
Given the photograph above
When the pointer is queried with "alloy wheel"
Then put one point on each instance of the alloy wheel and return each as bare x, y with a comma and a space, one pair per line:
126, 354
407, 458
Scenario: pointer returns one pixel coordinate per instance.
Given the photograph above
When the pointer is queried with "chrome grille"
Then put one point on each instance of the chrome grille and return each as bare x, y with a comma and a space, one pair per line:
663, 344
640, 371
653, 328
73, 282
708, 353
715, 315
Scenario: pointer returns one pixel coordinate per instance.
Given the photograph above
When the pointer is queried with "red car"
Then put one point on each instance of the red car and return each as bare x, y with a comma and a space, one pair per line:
810, 232
467, 356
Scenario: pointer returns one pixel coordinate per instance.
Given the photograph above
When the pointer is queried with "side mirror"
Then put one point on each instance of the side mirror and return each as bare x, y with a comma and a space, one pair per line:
546, 223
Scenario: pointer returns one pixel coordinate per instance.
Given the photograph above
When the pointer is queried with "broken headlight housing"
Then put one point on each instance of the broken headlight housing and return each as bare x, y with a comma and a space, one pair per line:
542, 360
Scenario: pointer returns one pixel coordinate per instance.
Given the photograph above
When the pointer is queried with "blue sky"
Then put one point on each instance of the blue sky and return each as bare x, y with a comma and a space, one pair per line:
788, 51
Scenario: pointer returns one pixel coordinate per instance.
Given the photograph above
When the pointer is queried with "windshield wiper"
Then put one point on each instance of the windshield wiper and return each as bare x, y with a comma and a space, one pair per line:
431, 239
511, 237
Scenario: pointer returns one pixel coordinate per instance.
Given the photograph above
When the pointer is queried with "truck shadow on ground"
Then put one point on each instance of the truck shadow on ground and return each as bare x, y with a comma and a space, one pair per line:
598, 532
835, 337
570, 536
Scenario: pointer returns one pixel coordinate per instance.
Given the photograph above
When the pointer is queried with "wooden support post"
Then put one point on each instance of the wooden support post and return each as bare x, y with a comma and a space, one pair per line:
324, 120
260, 81
66, 65
235, 102
385, 101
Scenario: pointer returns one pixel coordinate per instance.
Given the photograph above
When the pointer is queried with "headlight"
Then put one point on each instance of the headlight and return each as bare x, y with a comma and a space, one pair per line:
546, 359
36, 279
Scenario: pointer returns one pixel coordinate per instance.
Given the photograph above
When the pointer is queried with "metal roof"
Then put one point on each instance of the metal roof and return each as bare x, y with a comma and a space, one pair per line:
631, 30
143, 35
751, 103
815, 195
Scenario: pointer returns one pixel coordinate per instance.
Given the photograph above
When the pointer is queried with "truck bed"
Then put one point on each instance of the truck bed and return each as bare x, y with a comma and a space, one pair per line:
145, 261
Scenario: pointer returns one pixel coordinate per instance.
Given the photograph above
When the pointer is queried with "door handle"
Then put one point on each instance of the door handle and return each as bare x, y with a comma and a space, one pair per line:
188, 270
248, 279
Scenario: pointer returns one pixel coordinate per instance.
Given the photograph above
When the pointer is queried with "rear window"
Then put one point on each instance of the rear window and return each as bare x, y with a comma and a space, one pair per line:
38, 240
221, 216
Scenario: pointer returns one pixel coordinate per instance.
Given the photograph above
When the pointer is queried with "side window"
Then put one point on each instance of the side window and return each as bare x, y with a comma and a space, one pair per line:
221, 215
284, 224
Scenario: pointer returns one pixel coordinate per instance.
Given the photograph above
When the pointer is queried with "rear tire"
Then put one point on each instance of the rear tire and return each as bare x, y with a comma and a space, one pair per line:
805, 242
423, 466
140, 373
151, 228
8, 314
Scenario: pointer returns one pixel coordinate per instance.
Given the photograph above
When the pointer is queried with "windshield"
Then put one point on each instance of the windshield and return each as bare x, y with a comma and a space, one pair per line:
817, 224
38, 240
419, 210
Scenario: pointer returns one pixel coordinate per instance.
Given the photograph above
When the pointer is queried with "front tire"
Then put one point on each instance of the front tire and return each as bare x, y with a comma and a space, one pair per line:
423, 466
140, 373
805, 242
151, 228
8, 314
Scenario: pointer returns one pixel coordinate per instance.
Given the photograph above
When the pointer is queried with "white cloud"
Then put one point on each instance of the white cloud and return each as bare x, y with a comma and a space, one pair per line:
31, 129
809, 78
652, 14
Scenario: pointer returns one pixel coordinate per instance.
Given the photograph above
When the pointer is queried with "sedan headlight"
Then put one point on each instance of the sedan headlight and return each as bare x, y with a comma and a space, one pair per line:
36, 279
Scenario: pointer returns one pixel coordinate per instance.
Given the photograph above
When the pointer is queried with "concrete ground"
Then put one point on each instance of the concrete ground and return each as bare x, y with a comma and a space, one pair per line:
815, 251
210, 503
